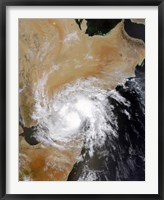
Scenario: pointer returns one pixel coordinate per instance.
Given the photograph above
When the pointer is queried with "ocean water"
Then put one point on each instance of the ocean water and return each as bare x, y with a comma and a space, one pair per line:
122, 155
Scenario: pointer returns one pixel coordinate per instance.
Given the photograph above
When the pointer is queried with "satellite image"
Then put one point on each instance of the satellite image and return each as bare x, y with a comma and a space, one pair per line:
81, 99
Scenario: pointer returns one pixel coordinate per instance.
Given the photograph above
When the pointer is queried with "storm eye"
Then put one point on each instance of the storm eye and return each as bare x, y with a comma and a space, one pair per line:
72, 120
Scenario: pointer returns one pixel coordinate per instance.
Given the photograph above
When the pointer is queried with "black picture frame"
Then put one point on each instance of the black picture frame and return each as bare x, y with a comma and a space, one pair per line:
3, 89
